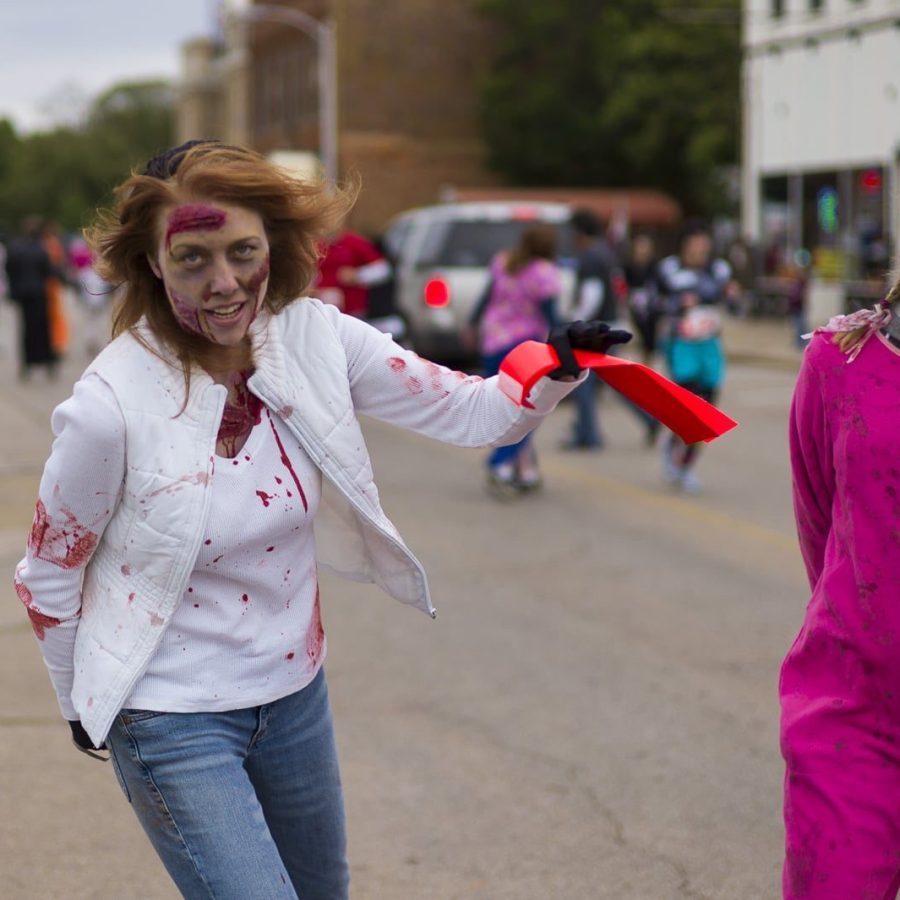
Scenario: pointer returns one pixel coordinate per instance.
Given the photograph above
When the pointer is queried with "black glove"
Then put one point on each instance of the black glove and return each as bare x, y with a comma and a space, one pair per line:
83, 742
595, 336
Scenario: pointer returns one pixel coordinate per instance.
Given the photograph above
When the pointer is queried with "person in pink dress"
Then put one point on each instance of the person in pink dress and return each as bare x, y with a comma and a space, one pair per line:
840, 681
519, 304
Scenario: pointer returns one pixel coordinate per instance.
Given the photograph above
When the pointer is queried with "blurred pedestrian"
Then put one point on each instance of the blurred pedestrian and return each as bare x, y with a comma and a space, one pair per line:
381, 300
740, 258
840, 703
56, 310
596, 300
643, 293
797, 297
4, 282
519, 304
94, 295
694, 285
171, 572
28, 269
350, 264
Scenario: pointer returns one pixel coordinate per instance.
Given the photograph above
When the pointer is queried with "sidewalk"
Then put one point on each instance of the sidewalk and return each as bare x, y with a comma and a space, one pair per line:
66, 831
768, 342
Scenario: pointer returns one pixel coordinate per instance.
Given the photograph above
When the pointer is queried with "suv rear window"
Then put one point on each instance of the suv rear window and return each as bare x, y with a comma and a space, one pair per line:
474, 243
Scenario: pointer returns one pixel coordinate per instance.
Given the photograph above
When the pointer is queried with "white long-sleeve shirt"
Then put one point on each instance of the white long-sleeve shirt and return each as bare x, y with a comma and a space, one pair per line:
249, 627
84, 475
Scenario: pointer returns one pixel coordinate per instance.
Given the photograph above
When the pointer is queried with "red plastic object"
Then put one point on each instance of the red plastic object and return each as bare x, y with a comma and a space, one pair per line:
689, 416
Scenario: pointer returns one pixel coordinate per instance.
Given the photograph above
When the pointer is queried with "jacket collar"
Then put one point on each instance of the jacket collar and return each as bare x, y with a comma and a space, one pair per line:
265, 338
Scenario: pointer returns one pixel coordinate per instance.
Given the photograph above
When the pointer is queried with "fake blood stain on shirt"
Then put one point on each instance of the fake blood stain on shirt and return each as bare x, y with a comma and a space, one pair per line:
315, 637
68, 545
437, 375
287, 464
39, 621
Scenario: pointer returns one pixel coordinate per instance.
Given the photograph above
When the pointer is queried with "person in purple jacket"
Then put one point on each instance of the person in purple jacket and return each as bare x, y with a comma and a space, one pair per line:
840, 681
519, 304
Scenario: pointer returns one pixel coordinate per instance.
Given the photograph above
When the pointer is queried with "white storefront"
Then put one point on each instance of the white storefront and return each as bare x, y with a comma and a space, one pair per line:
821, 138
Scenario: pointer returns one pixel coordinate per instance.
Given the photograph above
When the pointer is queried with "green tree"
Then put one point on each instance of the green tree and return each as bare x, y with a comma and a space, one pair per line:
591, 93
67, 172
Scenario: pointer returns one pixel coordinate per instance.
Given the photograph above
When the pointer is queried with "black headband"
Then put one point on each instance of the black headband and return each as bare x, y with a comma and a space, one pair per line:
164, 165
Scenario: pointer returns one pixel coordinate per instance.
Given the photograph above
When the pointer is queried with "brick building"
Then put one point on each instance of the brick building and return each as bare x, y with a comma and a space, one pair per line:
406, 91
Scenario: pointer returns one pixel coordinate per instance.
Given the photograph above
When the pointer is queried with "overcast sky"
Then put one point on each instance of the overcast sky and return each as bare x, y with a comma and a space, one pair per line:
56, 49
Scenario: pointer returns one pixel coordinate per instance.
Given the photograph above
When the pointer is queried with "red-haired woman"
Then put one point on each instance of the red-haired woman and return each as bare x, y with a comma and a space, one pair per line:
171, 571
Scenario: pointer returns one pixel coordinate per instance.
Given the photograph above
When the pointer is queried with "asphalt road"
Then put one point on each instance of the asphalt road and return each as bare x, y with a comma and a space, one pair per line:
592, 715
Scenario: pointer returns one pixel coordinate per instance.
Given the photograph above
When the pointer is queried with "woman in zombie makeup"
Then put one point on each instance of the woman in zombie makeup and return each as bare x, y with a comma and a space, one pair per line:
840, 681
171, 573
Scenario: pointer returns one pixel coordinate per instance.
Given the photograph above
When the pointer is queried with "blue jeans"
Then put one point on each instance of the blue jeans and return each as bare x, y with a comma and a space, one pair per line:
586, 428
239, 804
490, 364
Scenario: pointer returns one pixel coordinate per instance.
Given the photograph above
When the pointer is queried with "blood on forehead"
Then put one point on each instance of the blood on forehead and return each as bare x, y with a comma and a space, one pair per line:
193, 217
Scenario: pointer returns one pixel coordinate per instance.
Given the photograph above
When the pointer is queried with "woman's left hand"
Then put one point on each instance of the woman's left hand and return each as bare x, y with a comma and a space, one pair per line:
597, 337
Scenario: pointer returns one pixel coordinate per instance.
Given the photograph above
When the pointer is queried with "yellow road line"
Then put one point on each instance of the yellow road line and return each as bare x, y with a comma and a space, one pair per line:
683, 508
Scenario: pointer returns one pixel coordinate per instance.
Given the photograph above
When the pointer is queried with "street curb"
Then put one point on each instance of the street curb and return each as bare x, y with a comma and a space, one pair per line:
761, 359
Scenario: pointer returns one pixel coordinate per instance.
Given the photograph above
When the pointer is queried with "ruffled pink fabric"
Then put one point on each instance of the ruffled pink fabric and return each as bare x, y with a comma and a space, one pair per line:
871, 319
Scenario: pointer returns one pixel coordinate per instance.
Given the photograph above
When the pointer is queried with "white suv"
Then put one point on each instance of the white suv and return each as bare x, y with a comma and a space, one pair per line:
441, 256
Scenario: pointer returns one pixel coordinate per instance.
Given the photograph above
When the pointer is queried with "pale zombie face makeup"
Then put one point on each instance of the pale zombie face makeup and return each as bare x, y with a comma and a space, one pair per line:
213, 260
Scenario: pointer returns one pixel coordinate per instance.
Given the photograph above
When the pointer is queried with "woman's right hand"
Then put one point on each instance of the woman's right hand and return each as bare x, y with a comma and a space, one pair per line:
81, 739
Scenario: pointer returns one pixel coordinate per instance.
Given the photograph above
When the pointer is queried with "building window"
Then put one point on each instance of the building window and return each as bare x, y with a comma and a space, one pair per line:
868, 222
816, 6
824, 213
776, 8
775, 224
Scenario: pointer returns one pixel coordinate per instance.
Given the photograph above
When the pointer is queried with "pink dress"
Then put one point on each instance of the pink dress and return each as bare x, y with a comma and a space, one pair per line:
840, 681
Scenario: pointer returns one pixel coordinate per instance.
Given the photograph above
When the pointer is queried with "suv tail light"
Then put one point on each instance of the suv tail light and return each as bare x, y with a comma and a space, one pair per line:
436, 293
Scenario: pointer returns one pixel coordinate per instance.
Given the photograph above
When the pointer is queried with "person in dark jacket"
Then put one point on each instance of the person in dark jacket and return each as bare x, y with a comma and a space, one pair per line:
596, 301
28, 268
643, 293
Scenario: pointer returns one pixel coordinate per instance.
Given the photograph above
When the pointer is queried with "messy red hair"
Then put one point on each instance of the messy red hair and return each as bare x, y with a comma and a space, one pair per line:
296, 215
